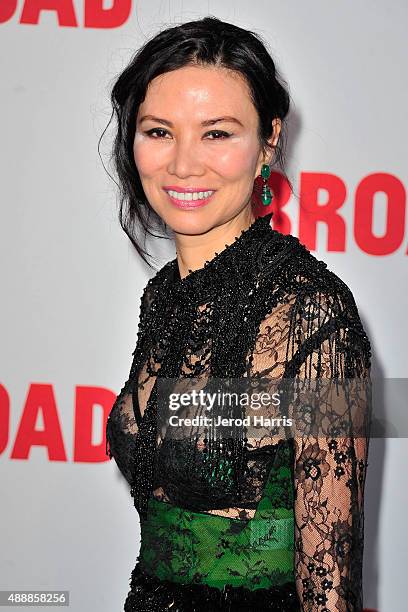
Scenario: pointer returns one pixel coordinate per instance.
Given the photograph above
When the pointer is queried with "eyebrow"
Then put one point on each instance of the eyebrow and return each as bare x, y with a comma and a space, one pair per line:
207, 122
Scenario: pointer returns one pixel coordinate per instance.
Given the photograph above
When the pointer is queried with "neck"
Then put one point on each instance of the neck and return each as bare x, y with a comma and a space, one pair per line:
194, 250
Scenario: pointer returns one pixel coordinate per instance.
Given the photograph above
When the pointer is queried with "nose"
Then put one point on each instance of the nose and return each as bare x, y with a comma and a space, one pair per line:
185, 160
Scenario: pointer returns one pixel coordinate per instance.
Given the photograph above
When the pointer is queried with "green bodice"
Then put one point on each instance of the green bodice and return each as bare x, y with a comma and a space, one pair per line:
198, 547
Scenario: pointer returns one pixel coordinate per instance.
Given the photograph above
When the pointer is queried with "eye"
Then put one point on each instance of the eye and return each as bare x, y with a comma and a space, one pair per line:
161, 131
154, 130
223, 134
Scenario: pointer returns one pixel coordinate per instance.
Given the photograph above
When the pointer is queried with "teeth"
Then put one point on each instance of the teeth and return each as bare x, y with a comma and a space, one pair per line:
197, 195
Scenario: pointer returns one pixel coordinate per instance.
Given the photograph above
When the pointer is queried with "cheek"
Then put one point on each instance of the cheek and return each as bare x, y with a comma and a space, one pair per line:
236, 161
146, 159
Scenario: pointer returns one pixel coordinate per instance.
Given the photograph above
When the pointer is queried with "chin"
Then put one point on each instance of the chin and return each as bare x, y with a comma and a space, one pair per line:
190, 222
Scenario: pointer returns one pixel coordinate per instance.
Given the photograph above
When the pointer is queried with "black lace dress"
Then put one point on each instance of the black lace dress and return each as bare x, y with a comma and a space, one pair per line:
270, 518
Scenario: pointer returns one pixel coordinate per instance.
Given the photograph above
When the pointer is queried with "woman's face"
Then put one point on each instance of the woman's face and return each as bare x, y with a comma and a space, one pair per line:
197, 130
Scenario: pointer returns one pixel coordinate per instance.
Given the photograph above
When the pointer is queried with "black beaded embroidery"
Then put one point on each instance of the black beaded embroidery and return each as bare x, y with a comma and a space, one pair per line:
148, 594
263, 306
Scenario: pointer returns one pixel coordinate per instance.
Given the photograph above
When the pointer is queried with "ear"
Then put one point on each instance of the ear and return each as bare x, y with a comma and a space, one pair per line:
273, 141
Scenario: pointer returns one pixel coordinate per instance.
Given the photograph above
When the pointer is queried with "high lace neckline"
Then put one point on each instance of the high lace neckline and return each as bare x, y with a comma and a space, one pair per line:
199, 282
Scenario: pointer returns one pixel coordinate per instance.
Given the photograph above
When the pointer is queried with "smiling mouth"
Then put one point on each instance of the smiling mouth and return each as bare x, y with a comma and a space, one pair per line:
191, 195
189, 199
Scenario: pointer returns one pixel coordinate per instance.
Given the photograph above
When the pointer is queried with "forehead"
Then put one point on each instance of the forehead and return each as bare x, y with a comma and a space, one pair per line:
199, 91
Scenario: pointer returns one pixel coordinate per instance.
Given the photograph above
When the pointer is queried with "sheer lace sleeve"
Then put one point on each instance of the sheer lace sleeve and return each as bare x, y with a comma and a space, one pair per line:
126, 414
330, 470
312, 340
122, 429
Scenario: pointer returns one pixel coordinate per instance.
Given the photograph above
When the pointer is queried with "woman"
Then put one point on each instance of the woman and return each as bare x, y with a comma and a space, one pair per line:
256, 520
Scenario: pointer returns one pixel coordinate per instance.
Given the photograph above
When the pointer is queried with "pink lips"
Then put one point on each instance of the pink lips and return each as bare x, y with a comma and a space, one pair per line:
188, 204
187, 189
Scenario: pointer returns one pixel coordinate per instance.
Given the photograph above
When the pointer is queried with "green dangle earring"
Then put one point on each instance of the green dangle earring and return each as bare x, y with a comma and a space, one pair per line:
266, 192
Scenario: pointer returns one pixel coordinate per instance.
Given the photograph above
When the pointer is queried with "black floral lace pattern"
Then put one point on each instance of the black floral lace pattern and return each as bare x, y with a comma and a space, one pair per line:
263, 307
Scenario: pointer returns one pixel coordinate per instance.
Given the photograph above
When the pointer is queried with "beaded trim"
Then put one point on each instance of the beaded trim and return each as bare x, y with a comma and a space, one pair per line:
149, 594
